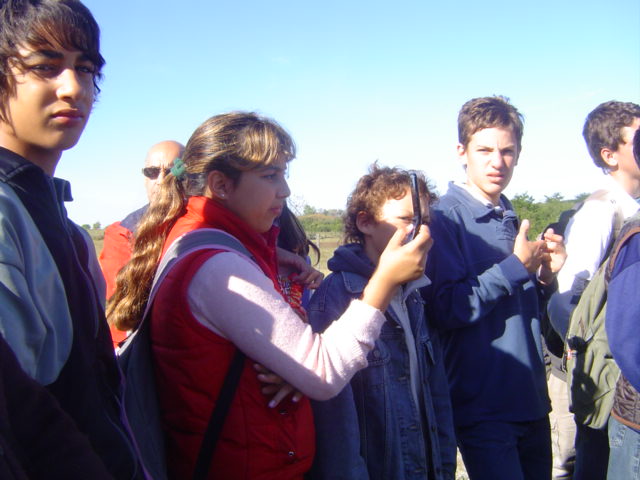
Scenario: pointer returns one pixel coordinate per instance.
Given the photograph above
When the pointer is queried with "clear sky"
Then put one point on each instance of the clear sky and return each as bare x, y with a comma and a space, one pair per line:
353, 82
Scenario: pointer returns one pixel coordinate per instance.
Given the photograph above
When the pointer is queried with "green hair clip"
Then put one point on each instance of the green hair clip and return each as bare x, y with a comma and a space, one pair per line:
179, 168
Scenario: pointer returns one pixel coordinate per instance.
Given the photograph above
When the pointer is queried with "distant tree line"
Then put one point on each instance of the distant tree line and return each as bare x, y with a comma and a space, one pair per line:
540, 214
321, 220
95, 226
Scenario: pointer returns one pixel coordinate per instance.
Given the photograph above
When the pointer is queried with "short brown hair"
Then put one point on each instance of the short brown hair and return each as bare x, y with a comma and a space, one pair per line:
489, 112
38, 23
603, 128
373, 190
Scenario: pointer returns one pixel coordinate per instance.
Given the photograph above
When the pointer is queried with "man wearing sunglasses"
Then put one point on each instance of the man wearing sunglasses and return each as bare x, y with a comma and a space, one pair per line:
119, 236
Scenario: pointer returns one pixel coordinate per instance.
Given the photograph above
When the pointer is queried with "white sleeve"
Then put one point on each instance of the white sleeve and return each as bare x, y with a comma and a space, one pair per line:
231, 296
587, 237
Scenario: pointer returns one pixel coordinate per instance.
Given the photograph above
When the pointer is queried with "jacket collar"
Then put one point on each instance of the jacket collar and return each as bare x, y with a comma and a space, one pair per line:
13, 166
481, 210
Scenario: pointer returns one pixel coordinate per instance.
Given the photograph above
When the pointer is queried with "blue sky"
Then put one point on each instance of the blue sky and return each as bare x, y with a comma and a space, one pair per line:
353, 82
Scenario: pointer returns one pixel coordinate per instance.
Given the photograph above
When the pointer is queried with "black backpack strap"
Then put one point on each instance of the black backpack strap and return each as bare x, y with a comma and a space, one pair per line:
216, 422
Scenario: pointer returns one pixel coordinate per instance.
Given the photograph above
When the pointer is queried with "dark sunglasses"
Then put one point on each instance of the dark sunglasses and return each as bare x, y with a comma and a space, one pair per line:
152, 172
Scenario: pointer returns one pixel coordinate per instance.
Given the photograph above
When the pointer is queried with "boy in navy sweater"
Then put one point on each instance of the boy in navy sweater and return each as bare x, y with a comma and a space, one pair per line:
488, 280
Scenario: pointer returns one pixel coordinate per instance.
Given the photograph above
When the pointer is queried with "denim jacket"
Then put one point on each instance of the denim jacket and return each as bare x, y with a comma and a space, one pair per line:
373, 429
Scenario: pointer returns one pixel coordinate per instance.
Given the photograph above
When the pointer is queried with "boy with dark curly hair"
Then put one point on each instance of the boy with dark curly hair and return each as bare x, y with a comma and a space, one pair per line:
394, 419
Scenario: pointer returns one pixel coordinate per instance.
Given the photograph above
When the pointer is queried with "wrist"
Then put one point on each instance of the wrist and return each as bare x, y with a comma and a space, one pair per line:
378, 292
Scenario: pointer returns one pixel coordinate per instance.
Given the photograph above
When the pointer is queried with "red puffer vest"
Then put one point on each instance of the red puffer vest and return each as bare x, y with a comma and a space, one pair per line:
257, 442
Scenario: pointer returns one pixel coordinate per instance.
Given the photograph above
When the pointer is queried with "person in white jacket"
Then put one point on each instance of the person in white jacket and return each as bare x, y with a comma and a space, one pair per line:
608, 132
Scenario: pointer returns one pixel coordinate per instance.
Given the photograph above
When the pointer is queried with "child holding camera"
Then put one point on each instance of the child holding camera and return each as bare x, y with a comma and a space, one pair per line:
393, 420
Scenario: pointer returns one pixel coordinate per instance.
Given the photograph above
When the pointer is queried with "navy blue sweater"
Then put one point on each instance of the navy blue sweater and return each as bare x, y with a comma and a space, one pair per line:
487, 307
623, 311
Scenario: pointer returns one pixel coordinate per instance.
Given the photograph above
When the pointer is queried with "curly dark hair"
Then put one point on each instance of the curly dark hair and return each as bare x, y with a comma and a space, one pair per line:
373, 190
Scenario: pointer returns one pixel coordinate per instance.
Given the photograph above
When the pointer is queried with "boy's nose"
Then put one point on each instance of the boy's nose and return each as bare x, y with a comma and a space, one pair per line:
70, 85
497, 159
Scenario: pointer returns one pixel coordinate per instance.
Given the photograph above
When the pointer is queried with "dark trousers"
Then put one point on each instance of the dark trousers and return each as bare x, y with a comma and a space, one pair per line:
592, 453
507, 450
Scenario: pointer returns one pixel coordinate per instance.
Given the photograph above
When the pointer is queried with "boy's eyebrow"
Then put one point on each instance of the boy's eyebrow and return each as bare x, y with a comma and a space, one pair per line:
511, 145
52, 54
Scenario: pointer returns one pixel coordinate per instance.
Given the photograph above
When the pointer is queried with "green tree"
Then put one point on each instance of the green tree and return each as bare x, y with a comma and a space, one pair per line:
555, 197
320, 223
522, 200
309, 210
332, 212
96, 226
540, 214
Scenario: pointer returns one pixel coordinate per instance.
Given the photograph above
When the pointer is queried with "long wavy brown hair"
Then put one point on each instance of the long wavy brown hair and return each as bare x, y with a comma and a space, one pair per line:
231, 143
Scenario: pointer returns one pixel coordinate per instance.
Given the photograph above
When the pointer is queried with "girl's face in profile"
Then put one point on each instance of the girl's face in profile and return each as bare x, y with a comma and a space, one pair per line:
259, 196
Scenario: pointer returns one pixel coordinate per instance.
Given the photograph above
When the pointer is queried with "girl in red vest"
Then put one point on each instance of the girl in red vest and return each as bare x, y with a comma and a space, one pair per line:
233, 178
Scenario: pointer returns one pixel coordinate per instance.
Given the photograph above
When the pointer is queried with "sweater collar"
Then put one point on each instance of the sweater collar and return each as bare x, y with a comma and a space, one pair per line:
481, 209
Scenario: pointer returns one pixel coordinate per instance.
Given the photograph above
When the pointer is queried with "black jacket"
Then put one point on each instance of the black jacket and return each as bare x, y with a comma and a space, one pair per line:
37, 439
88, 385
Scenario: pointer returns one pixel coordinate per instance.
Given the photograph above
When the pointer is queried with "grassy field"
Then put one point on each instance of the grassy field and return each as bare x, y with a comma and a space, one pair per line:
327, 244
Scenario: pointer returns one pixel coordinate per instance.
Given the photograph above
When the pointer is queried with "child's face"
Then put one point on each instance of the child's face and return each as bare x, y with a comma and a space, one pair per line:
51, 105
259, 196
490, 157
393, 214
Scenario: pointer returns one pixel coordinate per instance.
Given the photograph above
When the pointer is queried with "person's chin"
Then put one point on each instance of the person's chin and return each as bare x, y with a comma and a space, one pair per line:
496, 186
67, 138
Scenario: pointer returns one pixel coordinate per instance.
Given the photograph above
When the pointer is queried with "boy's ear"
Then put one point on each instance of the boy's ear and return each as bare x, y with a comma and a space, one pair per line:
462, 154
609, 158
364, 223
219, 185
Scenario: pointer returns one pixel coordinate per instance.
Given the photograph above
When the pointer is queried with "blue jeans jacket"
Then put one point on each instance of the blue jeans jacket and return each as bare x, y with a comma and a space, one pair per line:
373, 429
